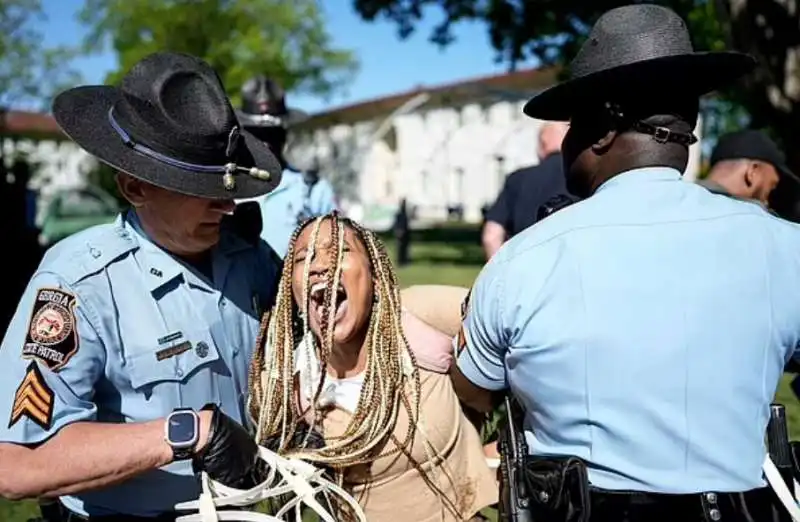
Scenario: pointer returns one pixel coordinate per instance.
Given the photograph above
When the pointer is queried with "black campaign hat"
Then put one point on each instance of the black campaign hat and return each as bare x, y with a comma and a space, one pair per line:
754, 145
171, 124
264, 105
641, 49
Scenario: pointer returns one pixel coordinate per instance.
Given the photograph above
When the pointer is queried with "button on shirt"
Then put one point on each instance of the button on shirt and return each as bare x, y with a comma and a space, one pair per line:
291, 203
111, 328
645, 330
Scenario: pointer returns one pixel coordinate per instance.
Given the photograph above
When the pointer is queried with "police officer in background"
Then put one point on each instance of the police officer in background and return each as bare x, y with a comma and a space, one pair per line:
526, 190
133, 338
643, 329
300, 195
747, 164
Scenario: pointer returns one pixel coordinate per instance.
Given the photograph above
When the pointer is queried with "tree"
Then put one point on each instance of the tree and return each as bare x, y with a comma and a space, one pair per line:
239, 38
30, 74
553, 30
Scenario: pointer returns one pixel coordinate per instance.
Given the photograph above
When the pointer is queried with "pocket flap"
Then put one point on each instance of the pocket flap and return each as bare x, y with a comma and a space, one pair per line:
174, 362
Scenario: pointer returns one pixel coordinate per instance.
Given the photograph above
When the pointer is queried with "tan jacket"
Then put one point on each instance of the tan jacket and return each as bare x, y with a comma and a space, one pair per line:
392, 489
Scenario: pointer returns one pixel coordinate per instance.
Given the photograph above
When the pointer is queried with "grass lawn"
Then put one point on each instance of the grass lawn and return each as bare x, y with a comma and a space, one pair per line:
449, 255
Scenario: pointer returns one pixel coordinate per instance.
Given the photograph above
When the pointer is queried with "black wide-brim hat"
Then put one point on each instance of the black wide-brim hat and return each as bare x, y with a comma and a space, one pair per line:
170, 124
637, 50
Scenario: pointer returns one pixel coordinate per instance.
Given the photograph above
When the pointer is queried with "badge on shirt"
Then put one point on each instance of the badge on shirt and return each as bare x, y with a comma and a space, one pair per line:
34, 399
52, 336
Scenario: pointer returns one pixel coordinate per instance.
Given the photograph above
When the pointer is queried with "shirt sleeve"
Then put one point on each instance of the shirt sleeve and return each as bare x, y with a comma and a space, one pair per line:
483, 341
50, 359
324, 198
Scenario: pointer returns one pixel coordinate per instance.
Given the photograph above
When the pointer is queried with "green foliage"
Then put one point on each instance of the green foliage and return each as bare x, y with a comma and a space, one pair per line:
30, 73
239, 38
551, 32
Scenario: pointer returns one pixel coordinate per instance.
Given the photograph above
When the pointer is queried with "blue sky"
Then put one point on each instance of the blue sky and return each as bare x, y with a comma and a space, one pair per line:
387, 65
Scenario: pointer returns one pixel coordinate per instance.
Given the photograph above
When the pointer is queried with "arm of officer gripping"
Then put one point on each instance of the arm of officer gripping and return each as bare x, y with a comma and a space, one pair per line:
50, 359
482, 343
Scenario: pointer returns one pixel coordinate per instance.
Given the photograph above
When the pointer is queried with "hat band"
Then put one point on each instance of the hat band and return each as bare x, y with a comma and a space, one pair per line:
663, 134
265, 119
228, 170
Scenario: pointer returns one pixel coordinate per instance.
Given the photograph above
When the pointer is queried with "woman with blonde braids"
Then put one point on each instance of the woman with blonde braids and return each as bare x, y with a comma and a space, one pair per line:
337, 352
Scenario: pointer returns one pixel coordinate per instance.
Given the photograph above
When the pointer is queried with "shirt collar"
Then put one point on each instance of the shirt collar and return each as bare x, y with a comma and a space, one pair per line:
160, 267
642, 175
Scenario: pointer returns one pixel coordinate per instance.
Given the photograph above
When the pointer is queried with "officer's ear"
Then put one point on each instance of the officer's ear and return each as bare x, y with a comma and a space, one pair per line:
752, 174
610, 119
602, 145
131, 189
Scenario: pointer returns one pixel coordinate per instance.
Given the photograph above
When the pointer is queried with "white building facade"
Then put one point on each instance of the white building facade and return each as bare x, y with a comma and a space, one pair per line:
436, 157
57, 163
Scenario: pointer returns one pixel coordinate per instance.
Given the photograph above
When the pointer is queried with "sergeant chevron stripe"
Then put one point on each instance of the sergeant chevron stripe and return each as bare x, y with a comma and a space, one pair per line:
34, 399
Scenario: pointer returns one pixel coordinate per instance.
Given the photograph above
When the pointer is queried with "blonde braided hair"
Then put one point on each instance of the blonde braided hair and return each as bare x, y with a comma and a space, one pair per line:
391, 377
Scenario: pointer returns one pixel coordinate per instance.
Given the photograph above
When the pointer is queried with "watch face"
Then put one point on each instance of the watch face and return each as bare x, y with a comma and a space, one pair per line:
181, 428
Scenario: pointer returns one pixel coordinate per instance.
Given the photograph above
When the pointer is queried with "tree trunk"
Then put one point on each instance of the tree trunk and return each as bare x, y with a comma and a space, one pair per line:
770, 31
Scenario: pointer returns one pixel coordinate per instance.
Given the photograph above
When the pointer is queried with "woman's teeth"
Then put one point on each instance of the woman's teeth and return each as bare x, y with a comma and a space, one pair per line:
317, 294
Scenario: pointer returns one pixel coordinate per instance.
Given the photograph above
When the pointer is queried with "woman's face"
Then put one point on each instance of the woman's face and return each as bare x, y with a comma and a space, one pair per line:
353, 290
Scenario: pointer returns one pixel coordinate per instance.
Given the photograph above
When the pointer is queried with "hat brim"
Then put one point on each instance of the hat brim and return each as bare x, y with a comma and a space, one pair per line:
693, 74
254, 121
82, 113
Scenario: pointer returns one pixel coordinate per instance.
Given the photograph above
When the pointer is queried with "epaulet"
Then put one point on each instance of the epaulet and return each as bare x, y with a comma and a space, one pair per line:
88, 252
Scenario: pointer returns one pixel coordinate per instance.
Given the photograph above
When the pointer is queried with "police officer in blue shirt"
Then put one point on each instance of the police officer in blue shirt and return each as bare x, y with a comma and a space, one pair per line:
301, 195
124, 370
644, 329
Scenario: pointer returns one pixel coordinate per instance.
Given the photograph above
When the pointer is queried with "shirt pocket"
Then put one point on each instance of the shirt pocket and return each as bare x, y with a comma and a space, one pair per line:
184, 374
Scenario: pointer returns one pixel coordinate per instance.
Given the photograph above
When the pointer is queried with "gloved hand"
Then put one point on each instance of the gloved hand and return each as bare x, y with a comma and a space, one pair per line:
231, 454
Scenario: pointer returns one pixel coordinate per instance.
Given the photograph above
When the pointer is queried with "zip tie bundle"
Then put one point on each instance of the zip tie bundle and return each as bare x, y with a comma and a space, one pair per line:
295, 476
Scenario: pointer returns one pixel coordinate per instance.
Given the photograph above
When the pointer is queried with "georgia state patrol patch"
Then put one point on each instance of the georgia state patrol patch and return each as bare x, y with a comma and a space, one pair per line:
34, 399
52, 333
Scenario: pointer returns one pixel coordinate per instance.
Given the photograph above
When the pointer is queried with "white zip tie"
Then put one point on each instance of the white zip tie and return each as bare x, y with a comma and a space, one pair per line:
296, 476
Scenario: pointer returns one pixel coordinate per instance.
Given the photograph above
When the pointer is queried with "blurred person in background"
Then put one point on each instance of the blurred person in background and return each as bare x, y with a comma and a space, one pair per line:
747, 165
301, 195
526, 190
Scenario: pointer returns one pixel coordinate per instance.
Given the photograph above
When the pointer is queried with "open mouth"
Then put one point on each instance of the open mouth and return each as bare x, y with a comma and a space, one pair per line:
317, 301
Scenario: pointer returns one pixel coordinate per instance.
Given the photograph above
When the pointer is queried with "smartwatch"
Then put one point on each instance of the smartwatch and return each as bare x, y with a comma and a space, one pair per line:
182, 431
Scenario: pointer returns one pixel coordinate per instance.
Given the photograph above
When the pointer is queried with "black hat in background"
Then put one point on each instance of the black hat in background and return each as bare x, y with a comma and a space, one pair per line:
754, 145
170, 123
264, 105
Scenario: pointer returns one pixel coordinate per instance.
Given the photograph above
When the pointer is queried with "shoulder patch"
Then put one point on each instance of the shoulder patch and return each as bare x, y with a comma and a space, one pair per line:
52, 336
34, 399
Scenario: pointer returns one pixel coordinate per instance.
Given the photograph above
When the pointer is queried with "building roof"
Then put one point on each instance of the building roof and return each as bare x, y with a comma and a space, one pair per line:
30, 125
513, 85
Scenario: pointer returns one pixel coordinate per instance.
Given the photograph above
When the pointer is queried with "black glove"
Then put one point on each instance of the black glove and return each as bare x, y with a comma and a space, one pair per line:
231, 455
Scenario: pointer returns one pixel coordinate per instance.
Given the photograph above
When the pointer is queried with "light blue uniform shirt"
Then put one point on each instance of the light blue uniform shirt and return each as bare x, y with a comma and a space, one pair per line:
111, 328
290, 204
644, 330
